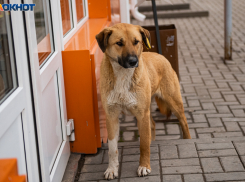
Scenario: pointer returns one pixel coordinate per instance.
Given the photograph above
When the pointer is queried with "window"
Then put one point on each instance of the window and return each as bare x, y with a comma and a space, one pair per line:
45, 43
80, 9
8, 81
73, 16
66, 16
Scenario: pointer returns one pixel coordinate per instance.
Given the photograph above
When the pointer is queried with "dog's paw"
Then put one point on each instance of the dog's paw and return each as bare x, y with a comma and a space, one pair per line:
143, 171
111, 173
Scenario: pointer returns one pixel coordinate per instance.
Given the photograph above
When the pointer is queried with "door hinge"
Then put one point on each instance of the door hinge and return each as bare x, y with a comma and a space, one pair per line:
70, 129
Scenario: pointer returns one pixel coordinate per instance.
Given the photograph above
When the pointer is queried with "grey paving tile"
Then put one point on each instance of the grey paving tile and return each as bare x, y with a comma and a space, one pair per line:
243, 160
199, 118
217, 153
114, 180
173, 129
198, 125
225, 176
160, 132
234, 119
204, 135
240, 146
227, 134
139, 179
211, 165
168, 152
95, 158
91, 176
210, 146
215, 122
208, 106
94, 168
187, 151
219, 115
159, 125
128, 135
232, 126
182, 170
180, 162
172, 178
223, 109
167, 137
210, 130
232, 164
193, 178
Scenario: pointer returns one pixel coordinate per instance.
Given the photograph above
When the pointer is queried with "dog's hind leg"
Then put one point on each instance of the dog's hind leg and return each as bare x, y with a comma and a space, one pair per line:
153, 129
176, 105
173, 101
112, 125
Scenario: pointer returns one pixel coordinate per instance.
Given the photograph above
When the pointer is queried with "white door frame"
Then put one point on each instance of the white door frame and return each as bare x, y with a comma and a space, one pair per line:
40, 78
19, 103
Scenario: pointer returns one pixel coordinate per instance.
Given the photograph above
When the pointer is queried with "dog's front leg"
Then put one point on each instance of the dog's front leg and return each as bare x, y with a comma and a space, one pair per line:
113, 132
145, 141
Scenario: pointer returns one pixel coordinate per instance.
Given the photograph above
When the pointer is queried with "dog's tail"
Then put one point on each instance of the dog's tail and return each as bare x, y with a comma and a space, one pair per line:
164, 109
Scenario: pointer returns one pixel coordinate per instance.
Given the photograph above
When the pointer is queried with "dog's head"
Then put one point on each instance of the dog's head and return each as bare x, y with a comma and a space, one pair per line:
124, 43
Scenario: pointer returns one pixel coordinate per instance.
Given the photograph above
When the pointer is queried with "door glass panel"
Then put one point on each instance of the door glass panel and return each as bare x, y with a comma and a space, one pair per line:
45, 43
8, 81
80, 10
66, 16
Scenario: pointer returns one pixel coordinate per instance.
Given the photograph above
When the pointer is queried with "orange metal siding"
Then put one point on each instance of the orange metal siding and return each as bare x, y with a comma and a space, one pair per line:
9, 171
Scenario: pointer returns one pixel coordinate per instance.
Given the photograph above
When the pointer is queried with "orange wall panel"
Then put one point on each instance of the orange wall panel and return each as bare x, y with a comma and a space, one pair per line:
79, 99
98, 56
98, 8
95, 101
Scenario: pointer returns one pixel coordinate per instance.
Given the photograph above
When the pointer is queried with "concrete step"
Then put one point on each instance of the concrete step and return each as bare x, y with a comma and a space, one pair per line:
196, 9
165, 7
178, 14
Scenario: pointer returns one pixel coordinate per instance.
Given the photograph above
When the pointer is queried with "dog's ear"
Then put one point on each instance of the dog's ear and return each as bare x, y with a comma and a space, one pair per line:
146, 37
102, 38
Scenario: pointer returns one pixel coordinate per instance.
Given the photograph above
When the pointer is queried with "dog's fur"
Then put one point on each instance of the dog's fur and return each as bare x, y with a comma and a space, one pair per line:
129, 90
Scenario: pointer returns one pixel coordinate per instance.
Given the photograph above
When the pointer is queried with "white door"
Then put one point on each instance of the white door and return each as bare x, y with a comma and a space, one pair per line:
44, 42
17, 127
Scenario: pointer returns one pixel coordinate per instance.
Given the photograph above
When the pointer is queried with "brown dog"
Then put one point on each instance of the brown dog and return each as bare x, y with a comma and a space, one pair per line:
129, 78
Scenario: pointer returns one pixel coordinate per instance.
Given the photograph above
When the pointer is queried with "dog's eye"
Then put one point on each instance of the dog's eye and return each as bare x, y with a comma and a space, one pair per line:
136, 42
120, 44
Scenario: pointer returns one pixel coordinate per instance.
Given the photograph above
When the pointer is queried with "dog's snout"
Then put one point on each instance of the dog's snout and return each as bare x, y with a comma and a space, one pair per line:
128, 61
132, 61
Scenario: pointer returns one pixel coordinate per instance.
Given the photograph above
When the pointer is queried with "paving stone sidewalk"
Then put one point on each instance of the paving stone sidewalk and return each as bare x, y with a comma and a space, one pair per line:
213, 93
195, 160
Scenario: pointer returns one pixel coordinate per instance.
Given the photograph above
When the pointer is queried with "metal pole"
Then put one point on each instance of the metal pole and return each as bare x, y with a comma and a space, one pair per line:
156, 25
228, 29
